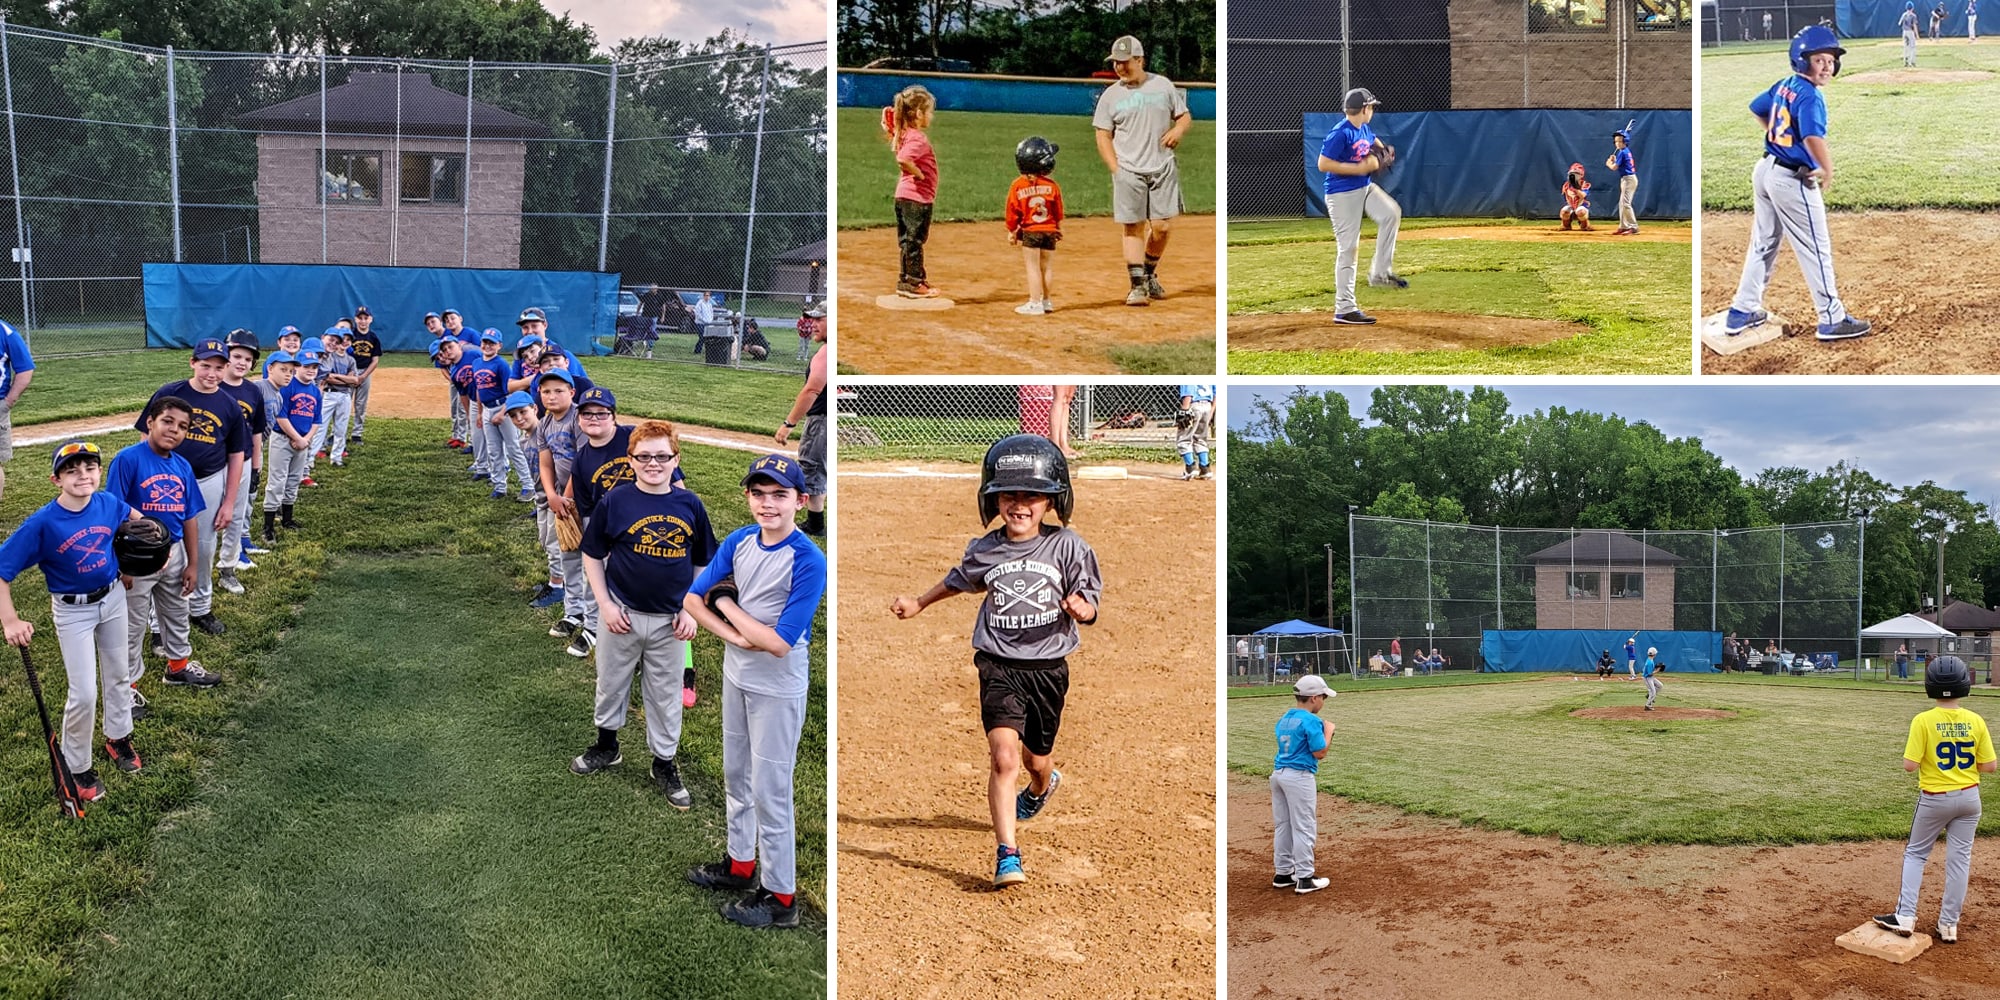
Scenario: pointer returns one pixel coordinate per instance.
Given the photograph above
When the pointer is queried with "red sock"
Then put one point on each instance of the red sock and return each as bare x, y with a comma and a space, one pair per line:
742, 869
783, 897
176, 666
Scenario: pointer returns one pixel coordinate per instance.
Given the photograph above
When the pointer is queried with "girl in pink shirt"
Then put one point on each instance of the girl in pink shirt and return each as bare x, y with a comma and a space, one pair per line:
916, 188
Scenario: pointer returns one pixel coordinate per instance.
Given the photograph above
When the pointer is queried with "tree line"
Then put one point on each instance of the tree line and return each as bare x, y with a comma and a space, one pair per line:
1453, 456
1060, 38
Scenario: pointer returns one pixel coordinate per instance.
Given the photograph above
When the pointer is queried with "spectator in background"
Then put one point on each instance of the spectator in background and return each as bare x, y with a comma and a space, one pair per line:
1396, 652
1902, 661
1242, 655
704, 314
1436, 661
1059, 421
17, 369
1767, 25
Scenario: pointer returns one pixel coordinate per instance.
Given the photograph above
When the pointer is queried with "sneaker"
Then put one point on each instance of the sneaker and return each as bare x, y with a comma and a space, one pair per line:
1137, 296
1028, 805
157, 645
454, 444
687, 688
1355, 318
1207, 472
1738, 320
581, 646
1388, 281
243, 563
88, 788
567, 627
193, 675
339, 463
480, 476
596, 759
1187, 475
1896, 924
667, 778
548, 600
139, 710
320, 454
501, 494
1008, 870
227, 581
1283, 881
1032, 308
541, 591
1153, 289
1947, 933
467, 450
526, 496
207, 623
307, 481
122, 755
1310, 883
1845, 329
762, 909
920, 290
251, 547
716, 875
1048, 305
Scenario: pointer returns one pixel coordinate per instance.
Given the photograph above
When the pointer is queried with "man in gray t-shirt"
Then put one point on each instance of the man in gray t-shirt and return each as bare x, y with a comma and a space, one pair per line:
1140, 121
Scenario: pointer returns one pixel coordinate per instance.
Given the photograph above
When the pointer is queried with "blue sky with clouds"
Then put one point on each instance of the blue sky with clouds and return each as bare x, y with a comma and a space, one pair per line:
1904, 434
778, 22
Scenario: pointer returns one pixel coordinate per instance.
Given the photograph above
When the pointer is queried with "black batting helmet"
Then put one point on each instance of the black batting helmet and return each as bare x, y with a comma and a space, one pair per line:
1024, 463
1947, 677
1036, 156
240, 337
141, 546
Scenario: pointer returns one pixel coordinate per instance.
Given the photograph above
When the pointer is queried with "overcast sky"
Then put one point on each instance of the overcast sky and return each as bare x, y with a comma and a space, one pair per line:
778, 22
1902, 434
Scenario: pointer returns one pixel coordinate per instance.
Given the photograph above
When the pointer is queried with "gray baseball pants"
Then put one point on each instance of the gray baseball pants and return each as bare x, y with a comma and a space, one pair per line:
229, 547
503, 448
1652, 689
361, 402
158, 597
286, 466
211, 486
1956, 815
1345, 210
760, 747
92, 637
578, 602
1628, 185
1194, 440
1294, 821
651, 651
1787, 208
460, 427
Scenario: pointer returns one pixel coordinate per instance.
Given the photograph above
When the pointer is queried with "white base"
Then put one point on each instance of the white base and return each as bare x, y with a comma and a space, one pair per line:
1101, 472
1715, 340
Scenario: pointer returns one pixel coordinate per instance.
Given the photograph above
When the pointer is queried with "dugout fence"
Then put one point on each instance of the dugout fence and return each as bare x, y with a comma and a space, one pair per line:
957, 422
690, 172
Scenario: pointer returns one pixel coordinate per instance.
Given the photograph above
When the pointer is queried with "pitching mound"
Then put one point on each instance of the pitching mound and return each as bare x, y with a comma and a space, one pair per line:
982, 334
1121, 869
1553, 233
1933, 316
1638, 713
1424, 907
1395, 330
1901, 75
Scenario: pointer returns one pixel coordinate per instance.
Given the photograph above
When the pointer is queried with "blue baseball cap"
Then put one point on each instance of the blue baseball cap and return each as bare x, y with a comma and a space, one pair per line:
437, 347
334, 331
209, 347
281, 358
490, 334
597, 395
519, 401
532, 338
288, 331
561, 373
454, 312
781, 469
308, 358
312, 344
435, 316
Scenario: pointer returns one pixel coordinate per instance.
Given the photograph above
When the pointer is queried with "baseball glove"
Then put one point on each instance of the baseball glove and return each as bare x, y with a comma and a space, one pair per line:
1183, 418
569, 531
1385, 156
725, 587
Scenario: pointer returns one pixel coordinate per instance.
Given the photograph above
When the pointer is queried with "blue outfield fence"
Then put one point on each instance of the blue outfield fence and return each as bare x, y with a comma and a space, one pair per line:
1017, 94
1514, 651
1877, 18
1511, 164
185, 302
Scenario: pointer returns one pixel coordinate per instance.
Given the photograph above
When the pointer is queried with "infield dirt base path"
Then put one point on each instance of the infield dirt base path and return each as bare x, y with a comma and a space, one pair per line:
1393, 330
971, 263
1428, 908
1121, 893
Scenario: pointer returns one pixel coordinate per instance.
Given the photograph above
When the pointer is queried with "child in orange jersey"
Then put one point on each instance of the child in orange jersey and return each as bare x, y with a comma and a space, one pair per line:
1034, 219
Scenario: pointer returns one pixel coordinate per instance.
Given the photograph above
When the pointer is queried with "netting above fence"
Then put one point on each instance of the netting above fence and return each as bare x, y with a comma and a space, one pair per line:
958, 422
1793, 587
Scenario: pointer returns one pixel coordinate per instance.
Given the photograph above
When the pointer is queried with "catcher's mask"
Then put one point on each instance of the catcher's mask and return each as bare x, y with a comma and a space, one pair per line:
1024, 463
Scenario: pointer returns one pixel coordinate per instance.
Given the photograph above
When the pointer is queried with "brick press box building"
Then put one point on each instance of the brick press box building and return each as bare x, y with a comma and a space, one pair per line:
1604, 580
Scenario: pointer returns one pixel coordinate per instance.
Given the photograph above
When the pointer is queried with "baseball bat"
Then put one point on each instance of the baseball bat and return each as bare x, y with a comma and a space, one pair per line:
67, 795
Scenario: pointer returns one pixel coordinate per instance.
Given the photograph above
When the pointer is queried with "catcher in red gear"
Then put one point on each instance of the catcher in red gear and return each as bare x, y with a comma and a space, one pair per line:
1576, 199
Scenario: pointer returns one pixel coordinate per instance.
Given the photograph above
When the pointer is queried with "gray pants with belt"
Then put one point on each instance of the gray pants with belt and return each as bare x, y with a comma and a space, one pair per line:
760, 749
461, 428
651, 651
203, 600
361, 403
158, 596
92, 637
1345, 210
229, 542
1294, 821
1956, 815
286, 466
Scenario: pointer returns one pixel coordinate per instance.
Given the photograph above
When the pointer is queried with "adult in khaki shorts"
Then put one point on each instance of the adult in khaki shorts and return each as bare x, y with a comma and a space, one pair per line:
1140, 121
17, 369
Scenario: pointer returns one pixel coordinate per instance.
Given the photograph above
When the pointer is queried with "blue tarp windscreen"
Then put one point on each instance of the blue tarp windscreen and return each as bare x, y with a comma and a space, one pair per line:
1877, 19
1577, 649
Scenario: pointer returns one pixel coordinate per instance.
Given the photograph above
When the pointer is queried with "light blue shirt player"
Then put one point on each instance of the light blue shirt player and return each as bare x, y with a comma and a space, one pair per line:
1300, 735
1347, 143
1199, 393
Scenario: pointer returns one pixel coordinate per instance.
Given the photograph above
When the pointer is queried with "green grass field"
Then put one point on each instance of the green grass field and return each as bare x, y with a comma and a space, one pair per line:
1633, 296
975, 152
378, 802
1800, 763
1894, 145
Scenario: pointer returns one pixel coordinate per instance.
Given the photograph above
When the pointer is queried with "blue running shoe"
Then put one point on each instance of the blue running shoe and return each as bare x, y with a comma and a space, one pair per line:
1008, 871
1028, 805
550, 599
1737, 322
1844, 330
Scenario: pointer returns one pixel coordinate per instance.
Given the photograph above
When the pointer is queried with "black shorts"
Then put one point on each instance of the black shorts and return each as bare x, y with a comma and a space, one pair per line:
1023, 695
1039, 241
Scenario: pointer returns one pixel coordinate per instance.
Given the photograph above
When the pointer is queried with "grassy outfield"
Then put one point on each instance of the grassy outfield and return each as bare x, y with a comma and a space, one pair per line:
1894, 145
1798, 763
378, 802
70, 388
1633, 296
975, 152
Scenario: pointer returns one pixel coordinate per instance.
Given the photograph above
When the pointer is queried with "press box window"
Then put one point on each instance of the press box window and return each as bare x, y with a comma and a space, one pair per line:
1583, 587
350, 178
433, 178
1546, 16
1628, 585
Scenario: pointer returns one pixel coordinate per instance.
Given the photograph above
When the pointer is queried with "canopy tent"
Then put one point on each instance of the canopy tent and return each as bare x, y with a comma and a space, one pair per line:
1297, 627
1291, 648
1907, 627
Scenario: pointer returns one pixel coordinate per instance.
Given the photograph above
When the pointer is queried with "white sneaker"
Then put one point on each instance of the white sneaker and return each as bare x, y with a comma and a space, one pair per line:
227, 581
243, 563
1310, 883
1948, 933
1896, 923
1030, 308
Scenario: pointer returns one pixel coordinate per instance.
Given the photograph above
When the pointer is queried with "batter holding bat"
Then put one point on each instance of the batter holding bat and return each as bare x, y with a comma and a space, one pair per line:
1140, 121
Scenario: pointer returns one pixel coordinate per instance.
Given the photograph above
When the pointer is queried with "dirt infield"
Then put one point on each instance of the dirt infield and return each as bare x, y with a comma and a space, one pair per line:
1922, 279
1121, 867
1638, 713
1421, 907
1394, 330
1920, 76
972, 264
1553, 233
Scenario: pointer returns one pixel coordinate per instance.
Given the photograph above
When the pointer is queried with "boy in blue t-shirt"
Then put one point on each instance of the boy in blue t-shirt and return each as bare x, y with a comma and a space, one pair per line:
1347, 157
152, 478
1302, 740
291, 437
773, 579
69, 538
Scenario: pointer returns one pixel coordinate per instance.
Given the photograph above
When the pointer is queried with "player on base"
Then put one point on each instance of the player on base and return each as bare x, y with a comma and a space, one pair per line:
1041, 581
916, 185
1140, 121
1948, 748
1302, 743
1034, 217
1347, 157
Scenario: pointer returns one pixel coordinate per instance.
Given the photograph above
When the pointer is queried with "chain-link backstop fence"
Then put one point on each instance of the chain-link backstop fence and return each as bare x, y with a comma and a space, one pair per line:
702, 172
958, 422
1794, 590
1738, 23
1287, 59
1265, 658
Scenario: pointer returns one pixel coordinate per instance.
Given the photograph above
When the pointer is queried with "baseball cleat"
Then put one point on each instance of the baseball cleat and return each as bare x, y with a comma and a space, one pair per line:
88, 788
250, 547
1153, 289
762, 909
1566, 223
1355, 318
1896, 924
157, 645
541, 591
1207, 472
1007, 871
526, 496
1740, 320
307, 481
193, 675
1388, 281
1947, 933
243, 563
480, 476
1845, 329
320, 454
596, 759
1283, 881
1033, 307
1310, 883
1028, 805
548, 600
667, 778
454, 444
717, 875
1187, 475
567, 627
207, 623
121, 754
228, 582
1137, 296
920, 290
1585, 225
688, 696
139, 710
582, 645
501, 494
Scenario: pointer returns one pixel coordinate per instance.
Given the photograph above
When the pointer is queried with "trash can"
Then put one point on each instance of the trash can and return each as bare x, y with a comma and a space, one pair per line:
718, 344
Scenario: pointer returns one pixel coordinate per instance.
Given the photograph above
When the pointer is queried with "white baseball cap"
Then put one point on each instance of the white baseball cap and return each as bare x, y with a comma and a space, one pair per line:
1310, 686
1652, 651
